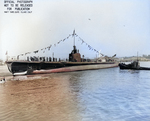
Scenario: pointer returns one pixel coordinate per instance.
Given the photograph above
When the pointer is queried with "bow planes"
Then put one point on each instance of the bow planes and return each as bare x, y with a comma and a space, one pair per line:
51, 65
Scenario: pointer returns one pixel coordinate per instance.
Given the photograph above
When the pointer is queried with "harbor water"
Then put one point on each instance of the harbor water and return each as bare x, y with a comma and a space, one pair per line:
93, 95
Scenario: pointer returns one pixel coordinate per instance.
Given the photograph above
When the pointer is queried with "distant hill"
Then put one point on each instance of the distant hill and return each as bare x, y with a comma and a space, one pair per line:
132, 58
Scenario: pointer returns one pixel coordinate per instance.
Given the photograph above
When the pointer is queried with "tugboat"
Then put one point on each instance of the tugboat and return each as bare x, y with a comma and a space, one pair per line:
135, 65
132, 65
51, 65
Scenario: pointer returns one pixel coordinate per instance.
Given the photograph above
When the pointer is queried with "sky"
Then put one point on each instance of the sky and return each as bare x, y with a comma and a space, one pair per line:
119, 27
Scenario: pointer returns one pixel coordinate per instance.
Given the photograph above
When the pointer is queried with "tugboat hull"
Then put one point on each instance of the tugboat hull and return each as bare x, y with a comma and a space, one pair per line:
129, 66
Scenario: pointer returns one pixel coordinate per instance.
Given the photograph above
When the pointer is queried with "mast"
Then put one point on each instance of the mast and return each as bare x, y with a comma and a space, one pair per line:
74, 37
74, 47
137, 56
6, 55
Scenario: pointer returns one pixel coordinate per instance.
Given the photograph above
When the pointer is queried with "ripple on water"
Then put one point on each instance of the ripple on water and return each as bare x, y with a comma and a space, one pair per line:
99, 95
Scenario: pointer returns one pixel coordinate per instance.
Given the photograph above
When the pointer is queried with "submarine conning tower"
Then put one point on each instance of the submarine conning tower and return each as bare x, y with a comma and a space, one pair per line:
75, 56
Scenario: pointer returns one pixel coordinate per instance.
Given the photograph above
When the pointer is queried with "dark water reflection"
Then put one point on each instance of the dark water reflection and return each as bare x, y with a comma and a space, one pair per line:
97, 95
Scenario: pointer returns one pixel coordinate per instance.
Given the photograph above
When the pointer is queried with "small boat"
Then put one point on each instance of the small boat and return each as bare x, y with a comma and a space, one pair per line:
135, 65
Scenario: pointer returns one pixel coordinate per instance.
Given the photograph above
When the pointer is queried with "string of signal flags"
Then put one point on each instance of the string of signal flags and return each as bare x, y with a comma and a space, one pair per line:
63, 40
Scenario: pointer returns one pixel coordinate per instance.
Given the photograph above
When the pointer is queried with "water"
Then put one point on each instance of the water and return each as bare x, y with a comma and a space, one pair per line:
93, 95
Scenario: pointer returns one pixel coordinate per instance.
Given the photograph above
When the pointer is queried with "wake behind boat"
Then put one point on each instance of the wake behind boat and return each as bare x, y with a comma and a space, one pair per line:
50, 65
